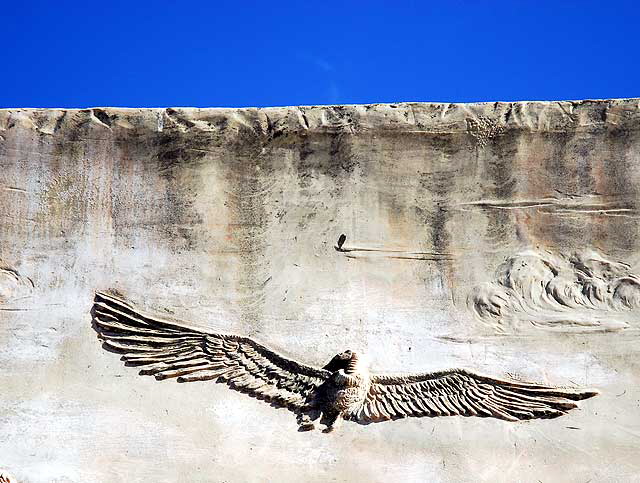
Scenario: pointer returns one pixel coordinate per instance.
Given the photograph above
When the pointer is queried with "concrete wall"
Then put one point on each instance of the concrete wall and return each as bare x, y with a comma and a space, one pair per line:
497, 237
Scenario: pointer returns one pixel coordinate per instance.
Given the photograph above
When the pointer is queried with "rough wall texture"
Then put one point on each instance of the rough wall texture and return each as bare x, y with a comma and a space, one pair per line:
498, 237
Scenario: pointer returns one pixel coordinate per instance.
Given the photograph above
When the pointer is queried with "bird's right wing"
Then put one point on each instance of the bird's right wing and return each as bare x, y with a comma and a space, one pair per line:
170, 349
464, 393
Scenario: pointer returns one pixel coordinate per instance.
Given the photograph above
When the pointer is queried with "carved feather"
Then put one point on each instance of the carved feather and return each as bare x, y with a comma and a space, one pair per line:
169, 349
461, 392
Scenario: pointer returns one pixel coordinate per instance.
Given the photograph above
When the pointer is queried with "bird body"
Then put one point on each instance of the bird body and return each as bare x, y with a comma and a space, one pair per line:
343, 389
348, 388
351, 391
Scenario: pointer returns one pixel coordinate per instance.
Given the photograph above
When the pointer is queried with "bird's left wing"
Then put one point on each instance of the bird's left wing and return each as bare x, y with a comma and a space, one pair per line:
464, 393
170, 349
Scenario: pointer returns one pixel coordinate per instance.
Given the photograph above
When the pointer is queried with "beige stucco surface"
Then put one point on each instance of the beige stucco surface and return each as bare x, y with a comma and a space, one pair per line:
469, 227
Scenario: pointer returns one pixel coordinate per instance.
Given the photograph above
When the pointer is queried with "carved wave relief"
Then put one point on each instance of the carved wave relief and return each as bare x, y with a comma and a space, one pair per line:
13, 286
558, 291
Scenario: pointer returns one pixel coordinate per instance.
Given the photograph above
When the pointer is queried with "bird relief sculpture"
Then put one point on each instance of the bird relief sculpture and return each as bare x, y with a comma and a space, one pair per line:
343, 389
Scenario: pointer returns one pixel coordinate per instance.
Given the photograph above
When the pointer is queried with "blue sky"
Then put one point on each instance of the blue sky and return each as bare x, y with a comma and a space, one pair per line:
269, 53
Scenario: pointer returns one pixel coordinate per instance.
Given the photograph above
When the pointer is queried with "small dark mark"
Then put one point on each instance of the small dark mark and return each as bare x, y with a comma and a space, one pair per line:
266, 281
397, 254
572, 427
622, 393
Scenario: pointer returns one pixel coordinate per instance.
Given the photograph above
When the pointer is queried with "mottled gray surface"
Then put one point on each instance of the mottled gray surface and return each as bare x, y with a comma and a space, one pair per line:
228, 218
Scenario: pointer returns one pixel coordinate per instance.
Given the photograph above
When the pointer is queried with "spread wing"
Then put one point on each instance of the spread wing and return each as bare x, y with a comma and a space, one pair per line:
168, 349
460, 392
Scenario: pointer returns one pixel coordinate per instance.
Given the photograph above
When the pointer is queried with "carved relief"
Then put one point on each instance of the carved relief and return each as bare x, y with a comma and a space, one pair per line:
343, 389
564, 204
560, 291
13, 286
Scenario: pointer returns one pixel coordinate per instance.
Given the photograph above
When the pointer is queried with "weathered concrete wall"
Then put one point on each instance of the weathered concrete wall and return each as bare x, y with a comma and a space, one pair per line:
499, 237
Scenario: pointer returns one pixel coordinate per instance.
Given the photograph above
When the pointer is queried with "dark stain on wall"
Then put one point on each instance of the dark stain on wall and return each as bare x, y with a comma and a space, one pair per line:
327, 156
250, 172
498, 157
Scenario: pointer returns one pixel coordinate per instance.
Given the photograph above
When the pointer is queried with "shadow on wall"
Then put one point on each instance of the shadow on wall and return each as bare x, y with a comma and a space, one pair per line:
581, 291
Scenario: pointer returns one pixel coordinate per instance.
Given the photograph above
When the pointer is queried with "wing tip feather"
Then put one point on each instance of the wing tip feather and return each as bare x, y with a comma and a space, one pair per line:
588, 394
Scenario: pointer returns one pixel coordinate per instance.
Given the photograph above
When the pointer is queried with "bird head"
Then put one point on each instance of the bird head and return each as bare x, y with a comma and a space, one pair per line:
346, 360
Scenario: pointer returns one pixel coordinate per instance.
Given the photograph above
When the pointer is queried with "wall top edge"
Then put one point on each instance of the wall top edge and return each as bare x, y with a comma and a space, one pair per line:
410, 117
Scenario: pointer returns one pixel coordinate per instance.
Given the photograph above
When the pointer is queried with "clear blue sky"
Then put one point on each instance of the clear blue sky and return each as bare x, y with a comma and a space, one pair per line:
270, 53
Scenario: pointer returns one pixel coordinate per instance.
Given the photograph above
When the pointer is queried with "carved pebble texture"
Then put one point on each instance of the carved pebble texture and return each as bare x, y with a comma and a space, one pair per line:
230, 219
